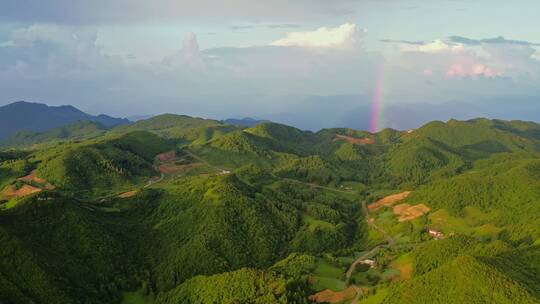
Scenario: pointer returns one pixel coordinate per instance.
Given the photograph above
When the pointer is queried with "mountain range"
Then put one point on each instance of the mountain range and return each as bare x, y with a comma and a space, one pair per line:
180, 209
36, 117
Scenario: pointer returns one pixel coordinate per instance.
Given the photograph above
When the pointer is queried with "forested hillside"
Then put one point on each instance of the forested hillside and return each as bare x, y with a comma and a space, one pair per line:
176, 209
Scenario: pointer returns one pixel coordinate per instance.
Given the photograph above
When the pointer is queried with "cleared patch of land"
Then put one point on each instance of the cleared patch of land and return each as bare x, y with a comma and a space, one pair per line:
355, 140
11, 191
32, 178
175, 169
26, 185
128, 194
167, 156
388, 201
407, 212
405, 267
330, 296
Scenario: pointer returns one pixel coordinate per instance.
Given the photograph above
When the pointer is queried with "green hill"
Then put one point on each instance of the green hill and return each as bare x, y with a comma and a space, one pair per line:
12, 165
101, 165
168, 125
230, 224
241, 286
422, 158
465, 271
508, 183
55, 251
481, 137
464, 280
76, 131
271, 214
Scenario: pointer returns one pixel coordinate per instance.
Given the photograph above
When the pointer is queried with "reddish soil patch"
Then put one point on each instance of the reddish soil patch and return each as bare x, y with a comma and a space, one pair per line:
407, 212
329, 296
12, 192
173, 169
401, 208
388, 201
167, 156
128, 194
355, 140
33, 178
405, 271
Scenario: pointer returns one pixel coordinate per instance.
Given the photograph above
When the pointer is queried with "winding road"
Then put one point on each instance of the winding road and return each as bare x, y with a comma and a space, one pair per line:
273, 175
151, 181
390, 242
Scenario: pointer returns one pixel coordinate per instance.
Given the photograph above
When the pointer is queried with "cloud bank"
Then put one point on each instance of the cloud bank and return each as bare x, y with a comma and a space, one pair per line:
345, 35
323, 77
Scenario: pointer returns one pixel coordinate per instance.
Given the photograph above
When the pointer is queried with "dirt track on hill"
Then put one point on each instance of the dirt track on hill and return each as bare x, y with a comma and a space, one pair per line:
390, 242
358, 294
311, 184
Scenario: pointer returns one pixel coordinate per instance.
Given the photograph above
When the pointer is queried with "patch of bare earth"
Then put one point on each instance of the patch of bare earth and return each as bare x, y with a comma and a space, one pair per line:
12, 191
330, 296
355, 140
167, 156
128, 194
33, 178
388, 201
405, 271
407, 212
174, 169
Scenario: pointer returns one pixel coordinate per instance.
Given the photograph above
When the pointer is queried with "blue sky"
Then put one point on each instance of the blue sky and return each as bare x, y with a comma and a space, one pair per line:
310, 63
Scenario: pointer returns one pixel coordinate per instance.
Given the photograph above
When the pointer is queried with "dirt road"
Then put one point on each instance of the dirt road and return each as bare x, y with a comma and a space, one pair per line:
273, 175
390, 242
358, 294
151, 182
312, 185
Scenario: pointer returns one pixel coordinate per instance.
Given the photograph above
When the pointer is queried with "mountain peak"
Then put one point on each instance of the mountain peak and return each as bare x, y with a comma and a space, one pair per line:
39, 117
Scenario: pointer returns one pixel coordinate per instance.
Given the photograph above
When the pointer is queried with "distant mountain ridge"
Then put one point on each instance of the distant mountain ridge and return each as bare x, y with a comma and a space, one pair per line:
244, 122
37, 117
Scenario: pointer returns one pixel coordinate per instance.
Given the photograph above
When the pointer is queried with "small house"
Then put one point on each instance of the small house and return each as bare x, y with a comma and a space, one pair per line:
372, 263
435, 233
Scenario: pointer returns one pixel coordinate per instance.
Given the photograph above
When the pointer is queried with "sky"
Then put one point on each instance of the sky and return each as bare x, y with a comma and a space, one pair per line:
366, 64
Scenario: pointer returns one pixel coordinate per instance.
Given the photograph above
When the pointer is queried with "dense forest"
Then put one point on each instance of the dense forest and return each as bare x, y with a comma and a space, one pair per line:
176, 209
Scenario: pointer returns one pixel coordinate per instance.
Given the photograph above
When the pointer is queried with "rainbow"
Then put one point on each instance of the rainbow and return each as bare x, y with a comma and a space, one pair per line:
376, 103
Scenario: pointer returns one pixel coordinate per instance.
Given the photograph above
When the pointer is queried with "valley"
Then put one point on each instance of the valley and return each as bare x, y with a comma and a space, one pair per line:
176, 209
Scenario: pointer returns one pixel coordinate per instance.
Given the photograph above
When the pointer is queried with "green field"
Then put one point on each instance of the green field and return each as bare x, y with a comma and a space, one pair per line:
136, 297
328, 276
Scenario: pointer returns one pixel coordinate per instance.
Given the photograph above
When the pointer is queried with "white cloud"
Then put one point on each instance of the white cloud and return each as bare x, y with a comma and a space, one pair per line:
189, 57
66, 65
342, 36
474, 70
433, 47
